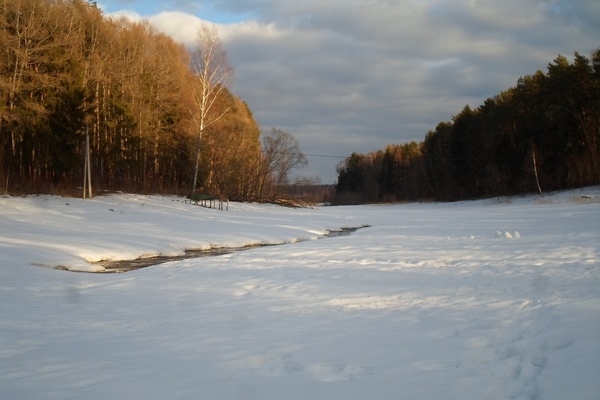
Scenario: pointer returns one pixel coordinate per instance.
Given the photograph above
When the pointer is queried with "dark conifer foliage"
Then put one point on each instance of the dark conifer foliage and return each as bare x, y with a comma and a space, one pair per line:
541, 135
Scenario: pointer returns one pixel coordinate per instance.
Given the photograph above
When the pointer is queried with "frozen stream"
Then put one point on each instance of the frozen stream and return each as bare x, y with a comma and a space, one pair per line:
118, 266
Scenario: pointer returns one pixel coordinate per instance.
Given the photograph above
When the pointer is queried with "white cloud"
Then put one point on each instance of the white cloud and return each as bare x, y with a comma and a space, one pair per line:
180, 26
346, 76
127, 14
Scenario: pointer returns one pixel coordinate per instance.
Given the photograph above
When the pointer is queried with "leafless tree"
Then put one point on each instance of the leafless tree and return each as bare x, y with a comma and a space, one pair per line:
213, 74
281, 156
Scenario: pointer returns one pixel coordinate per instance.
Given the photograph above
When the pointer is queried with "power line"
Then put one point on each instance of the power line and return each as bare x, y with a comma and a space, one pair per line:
324, 156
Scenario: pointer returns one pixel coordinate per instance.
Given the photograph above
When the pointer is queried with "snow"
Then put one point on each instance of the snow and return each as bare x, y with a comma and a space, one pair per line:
491, 299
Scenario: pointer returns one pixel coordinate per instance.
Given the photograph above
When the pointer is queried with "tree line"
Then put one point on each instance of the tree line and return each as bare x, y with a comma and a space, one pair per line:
541, 135
155, 123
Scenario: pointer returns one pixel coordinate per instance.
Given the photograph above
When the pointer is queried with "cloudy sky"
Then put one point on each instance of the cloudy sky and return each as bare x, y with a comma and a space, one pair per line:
348, 76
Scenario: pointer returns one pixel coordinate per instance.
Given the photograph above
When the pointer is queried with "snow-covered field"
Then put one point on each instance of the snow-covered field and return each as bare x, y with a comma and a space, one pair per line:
431, 301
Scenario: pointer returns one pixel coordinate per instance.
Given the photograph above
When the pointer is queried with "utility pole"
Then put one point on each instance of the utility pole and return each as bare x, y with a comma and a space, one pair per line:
537, 180
87, 170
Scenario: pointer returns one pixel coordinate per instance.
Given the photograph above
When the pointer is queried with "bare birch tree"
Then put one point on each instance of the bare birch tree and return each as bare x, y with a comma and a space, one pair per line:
213, 74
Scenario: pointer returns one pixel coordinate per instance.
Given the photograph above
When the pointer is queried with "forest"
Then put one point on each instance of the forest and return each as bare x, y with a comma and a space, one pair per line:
541, 135
157, 117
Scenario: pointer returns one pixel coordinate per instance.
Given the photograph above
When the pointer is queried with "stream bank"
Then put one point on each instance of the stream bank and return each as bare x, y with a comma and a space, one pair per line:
121, 266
